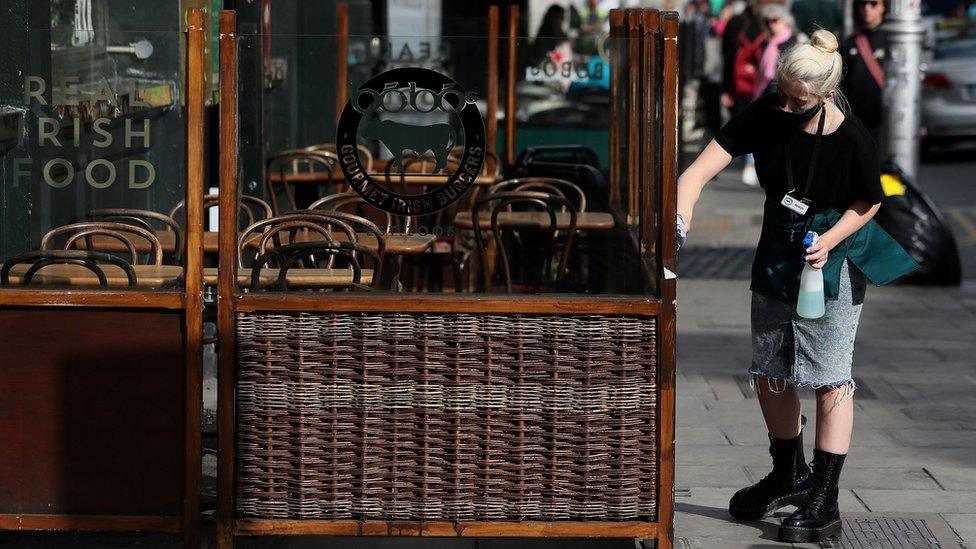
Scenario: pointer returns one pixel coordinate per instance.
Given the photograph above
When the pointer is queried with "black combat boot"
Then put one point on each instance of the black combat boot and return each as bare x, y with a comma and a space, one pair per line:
818, 517
786, 484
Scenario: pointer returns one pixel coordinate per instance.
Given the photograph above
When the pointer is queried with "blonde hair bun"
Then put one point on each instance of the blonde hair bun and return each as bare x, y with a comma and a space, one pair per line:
824, 41
816, 65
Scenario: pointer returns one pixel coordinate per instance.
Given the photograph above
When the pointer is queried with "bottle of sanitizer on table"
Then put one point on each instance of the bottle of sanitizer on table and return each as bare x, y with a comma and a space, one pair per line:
810, 302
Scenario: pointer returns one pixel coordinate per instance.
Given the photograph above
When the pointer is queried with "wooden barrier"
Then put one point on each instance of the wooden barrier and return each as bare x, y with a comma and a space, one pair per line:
105, 429
342, 486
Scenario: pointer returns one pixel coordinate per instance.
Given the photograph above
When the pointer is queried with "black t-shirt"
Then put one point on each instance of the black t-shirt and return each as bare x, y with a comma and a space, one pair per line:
847, 166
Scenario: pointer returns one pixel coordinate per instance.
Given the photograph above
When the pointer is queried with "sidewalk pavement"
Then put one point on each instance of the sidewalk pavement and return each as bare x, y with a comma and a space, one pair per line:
913, 453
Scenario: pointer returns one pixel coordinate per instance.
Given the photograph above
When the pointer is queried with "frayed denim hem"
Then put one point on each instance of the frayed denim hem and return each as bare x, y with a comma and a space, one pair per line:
773, 383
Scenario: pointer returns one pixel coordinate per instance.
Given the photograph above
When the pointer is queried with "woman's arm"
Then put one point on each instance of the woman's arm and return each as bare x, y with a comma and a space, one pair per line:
856, 215
709, 163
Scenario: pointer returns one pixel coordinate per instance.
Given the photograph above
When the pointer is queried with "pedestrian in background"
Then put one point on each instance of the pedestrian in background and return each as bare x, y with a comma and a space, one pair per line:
811, 15
742, 45
864, 55
724, 14
779, 26
809, 149
550, 37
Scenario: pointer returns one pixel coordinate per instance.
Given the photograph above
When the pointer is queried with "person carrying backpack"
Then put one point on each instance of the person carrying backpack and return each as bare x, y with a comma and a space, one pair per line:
864, 56
742, 46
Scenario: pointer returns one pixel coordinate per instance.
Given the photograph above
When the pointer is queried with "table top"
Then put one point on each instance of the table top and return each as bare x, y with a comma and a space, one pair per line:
409, 178
169, 276
147, 276
397, 244
589, 221
296, 278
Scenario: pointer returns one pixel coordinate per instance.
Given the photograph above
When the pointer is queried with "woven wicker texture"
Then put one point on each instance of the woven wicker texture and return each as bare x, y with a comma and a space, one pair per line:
446, 417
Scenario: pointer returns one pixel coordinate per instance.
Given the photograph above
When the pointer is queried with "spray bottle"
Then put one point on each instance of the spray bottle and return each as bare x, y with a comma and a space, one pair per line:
810, 301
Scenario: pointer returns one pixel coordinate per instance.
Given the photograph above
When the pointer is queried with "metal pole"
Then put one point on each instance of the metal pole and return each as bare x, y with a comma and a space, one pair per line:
903, 83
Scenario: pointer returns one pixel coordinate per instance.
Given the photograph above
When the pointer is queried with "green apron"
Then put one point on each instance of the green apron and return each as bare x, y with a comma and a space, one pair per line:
778, 263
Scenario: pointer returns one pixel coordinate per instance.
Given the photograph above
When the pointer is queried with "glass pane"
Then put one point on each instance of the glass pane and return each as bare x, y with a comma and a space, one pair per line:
95, 148
396, 139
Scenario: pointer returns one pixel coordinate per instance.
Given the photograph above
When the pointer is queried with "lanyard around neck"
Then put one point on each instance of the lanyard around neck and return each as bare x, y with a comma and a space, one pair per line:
813, 158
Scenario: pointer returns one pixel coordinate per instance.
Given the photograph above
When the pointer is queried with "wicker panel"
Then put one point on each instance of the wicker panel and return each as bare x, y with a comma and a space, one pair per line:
446, 417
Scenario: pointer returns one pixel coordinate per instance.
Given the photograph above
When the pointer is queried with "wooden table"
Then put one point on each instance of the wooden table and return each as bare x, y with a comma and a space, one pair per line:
409, 179
396, 244
296, 278
169, 276
586, 221
147, 276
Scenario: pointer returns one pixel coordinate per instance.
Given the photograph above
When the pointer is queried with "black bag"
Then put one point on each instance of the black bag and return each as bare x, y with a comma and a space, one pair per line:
918, 226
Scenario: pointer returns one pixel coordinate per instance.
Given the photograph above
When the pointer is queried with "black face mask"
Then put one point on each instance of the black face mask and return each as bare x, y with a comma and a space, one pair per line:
794, 119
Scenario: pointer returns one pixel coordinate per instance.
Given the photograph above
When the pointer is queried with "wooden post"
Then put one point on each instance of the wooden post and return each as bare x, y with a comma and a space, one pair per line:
616, 30
650, 166
193, 273
226, 380
342, 53
492, 99
633, 108
513, 18
668, 236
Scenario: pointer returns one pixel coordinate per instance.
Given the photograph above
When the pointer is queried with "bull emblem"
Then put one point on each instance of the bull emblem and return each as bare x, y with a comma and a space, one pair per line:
397, 137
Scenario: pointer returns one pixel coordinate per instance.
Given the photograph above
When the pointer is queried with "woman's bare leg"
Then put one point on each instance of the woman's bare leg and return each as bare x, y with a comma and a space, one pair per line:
780, 406
835, 418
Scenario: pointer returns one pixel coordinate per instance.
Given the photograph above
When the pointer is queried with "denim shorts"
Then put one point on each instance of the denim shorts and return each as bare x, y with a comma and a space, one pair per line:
806, 352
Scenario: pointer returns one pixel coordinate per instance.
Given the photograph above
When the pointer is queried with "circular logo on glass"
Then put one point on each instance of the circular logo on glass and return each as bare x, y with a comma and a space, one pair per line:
412, 112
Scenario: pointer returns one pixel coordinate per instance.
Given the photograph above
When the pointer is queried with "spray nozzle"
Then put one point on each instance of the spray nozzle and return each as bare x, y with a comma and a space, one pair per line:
810, 239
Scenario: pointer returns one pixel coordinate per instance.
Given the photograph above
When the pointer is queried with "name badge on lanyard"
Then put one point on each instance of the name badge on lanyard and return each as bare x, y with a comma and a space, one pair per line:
796, 205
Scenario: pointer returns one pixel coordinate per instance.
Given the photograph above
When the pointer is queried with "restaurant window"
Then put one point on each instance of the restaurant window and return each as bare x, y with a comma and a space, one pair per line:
405, 133
94, 145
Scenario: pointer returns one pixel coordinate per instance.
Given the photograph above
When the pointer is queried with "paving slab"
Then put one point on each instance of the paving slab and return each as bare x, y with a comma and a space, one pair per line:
907, 501
702, 435
757, 436
956, 478
892, 478
963, 525
943, 438
715, 476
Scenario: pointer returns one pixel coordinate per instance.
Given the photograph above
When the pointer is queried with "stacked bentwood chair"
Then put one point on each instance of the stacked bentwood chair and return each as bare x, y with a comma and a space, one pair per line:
324, 244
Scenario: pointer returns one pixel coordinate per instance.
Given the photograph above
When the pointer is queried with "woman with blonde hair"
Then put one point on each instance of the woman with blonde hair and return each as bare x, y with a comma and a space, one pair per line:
819, 169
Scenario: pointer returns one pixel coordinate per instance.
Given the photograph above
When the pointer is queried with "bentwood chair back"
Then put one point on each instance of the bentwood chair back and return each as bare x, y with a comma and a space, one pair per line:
295, 162
419, 165
144, 219
492, 165
123, 232
88, 259
361, 224
252, 238
365, 155
248, 206
353, 203
537, 260
551, 185
287, 256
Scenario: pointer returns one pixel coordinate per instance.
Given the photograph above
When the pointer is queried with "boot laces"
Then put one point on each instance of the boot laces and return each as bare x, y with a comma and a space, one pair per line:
817, 495
774, 477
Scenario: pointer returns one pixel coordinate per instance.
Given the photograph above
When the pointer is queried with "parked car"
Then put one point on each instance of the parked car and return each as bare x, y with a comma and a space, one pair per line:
949, 93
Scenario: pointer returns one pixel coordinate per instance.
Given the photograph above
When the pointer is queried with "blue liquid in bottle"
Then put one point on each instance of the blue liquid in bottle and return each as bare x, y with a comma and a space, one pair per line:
810, 301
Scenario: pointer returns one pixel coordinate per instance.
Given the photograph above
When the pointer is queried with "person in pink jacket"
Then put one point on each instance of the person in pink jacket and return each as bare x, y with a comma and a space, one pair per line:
779, 26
